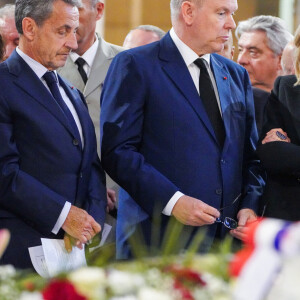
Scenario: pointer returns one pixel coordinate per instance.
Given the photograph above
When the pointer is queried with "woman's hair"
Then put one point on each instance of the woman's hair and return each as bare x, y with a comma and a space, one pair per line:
297, 60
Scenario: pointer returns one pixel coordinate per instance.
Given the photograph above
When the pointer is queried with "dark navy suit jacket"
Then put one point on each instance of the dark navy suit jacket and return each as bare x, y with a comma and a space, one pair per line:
41, 163
157, 138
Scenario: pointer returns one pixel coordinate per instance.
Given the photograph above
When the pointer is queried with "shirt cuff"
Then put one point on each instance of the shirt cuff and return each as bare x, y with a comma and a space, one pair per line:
62, 217
170, 205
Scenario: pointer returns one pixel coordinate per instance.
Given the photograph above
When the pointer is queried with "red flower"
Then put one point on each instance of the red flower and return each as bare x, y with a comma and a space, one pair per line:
186, 274
61, 290
185, 294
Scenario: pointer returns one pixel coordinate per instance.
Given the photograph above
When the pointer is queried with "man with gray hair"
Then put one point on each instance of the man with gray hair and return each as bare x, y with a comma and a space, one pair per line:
86, 68
8, 29
261, 41
143, 35
51, 181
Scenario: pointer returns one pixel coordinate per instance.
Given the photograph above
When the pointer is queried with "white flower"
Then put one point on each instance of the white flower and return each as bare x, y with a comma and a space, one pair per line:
7, 271
30, 296
89, 281
130, 297
147, 293
122, 283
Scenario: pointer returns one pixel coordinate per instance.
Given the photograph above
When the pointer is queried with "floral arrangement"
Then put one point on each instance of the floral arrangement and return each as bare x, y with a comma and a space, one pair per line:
163, 276
135, 280
266, 268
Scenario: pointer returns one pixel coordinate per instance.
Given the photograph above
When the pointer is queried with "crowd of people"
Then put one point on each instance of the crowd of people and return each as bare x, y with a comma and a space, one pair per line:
183, 131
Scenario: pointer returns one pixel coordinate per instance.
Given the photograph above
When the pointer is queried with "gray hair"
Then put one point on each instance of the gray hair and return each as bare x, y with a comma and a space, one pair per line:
151, 28
37, 10
7, 11
276, 32
175, 6
94, 2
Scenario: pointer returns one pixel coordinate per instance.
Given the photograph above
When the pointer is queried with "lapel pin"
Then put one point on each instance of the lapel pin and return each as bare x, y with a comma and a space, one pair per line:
225, 78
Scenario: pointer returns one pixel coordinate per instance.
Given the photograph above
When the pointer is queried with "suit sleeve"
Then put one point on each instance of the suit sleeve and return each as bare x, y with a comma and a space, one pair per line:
253, 182
20, 193
278, 157
124, 100
97, 199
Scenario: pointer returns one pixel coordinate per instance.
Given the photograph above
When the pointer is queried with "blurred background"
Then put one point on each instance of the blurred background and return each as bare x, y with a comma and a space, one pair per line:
123, 15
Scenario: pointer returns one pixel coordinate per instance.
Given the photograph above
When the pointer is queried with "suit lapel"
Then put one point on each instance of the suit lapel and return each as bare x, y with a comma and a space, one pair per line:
70, 71
175, 67
294, 105
222, 78
99, 68
27, 80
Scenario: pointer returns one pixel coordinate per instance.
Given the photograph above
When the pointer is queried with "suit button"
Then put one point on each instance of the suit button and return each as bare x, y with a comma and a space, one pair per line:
219, 191
75, 142
80, 175
223, 161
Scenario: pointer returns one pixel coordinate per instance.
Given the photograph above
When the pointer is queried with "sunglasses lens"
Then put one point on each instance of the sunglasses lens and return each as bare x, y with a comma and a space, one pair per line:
230, 223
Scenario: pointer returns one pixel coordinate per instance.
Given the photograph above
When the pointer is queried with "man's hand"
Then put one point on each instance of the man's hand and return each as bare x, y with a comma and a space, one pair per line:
245, 216
194, 212
80, 225
111, 199
276, 135
70, 242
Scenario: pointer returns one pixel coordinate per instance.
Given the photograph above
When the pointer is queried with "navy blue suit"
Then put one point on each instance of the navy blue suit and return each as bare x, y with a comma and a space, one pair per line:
157, 138
41, 163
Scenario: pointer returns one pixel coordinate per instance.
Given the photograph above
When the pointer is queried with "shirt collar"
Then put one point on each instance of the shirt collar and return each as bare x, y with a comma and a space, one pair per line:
36, 67
189, 55
89, 54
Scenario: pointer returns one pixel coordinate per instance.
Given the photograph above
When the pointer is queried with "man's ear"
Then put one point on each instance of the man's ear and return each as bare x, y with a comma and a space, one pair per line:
188, 12
29, 28
100, 10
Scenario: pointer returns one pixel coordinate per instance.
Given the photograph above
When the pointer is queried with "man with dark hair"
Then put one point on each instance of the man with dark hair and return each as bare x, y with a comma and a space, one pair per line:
143, 35
51, 181
179, 132
86, 68
8, 29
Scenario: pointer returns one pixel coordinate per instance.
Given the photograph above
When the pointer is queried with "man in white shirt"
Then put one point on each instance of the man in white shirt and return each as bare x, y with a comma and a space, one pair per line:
52, 183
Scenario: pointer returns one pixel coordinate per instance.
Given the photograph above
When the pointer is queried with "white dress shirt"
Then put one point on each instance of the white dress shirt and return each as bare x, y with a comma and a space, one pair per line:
189, 56
40, 70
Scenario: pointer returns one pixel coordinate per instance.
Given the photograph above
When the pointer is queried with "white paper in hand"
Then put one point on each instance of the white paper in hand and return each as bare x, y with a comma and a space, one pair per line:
38, 261
59, 260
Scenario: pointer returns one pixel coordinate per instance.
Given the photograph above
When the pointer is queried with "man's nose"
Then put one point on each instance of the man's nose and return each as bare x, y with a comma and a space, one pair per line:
242, 58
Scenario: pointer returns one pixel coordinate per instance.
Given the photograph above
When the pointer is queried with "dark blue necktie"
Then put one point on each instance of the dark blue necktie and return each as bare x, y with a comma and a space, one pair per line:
52, 83
209, 99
